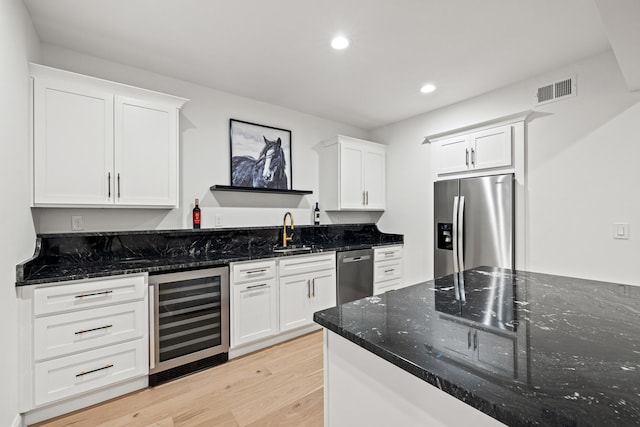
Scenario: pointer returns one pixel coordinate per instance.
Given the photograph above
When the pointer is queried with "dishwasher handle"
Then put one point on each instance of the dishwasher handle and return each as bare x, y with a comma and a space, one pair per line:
356, 258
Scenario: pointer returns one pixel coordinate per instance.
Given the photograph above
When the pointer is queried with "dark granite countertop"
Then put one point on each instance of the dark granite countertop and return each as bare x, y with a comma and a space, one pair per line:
525, 348
72, 256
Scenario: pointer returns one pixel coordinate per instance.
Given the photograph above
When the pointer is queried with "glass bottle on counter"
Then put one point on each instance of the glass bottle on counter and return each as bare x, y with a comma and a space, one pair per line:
196, 215
316, 215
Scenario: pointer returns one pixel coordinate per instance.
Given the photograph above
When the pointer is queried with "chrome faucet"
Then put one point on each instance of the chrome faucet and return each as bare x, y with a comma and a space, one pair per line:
286, 238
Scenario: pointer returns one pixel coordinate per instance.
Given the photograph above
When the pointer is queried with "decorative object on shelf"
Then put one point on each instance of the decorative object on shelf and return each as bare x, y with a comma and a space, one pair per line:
260, 156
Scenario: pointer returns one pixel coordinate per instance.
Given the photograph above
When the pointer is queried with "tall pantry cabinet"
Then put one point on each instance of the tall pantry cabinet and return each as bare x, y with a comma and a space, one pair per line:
99, 143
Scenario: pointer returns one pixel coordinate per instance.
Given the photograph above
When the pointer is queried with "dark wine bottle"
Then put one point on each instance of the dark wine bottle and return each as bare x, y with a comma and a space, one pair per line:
316, 215
196, 215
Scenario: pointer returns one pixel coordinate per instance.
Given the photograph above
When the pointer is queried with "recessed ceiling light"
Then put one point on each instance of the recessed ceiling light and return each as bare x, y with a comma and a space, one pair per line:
340, 43
428, 88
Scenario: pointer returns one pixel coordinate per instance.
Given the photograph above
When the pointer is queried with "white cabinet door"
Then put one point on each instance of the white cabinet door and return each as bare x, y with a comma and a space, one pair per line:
351, 176
374, 178
453, 155
323, 291
491, 148
295, 298
73, 144
486, 149
254, 312
146, 153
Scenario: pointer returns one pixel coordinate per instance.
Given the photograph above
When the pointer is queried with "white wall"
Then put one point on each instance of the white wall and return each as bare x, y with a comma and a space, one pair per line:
204, 156
582, 174
18, 44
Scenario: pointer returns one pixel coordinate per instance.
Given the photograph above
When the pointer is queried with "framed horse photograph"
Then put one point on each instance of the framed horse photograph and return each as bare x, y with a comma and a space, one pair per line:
260, 156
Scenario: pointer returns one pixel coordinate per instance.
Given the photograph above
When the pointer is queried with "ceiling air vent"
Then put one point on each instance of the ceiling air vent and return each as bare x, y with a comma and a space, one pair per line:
557, 90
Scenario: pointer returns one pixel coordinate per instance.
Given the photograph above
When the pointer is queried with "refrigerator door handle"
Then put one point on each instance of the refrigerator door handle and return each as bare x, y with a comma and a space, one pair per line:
460, 236
454, 233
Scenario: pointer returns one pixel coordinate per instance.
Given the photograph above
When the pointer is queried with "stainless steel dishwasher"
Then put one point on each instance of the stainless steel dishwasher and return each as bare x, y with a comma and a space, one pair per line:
355, 275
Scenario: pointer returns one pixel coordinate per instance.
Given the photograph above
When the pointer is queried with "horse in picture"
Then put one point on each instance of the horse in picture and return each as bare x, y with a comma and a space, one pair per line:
268, 171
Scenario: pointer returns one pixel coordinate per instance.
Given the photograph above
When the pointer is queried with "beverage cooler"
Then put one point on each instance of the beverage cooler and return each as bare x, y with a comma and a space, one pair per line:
190, 322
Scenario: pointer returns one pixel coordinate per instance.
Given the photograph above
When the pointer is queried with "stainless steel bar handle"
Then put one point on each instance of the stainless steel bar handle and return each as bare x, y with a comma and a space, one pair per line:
84, 331
367, 193
466, 151
454, 233
308, 288
364, 201
109, 185
153, 316
262, 270
390, 270
118, 185
469, 339
461, 234
313, 283
94, 294
94, 370
473, 157
475, 340
257, 286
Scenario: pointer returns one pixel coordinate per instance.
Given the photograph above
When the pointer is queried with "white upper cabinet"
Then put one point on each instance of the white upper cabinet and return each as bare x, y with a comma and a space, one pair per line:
99, 143
486, 149
352, 175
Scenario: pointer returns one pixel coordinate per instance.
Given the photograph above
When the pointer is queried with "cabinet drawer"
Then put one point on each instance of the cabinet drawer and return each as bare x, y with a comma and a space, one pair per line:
77, 296
253, 271
387, 253
254, 311
389, 270
67, 376
68, 333
306, 264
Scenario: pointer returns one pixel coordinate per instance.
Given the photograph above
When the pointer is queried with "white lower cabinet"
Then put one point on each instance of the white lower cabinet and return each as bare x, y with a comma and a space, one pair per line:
303, 295
82, 342
254, 311
387, 269
273, 300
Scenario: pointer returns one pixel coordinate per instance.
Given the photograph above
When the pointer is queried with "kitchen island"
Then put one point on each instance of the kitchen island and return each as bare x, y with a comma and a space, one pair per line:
486, 347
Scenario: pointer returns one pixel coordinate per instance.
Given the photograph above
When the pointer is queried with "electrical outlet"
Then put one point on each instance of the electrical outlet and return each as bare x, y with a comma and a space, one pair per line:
77, 222
621, 230
218, 219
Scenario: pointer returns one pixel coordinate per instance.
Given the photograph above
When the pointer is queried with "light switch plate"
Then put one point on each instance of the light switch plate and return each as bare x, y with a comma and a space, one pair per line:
621, 230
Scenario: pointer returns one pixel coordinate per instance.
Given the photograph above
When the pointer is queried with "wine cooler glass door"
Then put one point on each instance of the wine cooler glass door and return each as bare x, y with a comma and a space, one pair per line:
191, 319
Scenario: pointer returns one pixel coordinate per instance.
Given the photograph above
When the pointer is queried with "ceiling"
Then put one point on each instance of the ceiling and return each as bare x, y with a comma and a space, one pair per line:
278, 51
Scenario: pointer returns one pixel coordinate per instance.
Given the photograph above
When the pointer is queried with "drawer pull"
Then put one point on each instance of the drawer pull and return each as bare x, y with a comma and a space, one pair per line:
94, 329
257, 286
262, 270
93, 370
388, 253
94, 294
390, 270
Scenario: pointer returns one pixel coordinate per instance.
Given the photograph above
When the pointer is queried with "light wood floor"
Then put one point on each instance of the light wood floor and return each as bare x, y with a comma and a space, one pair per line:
278, 386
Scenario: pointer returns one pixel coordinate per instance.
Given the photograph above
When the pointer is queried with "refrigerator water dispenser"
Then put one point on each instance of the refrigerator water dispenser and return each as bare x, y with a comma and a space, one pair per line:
445, 239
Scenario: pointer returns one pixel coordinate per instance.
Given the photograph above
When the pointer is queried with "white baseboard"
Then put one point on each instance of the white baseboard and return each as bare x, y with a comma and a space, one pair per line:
268, 342
17, 421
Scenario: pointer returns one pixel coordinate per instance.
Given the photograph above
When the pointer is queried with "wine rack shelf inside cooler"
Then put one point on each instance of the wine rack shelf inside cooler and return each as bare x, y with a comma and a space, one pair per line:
189, 316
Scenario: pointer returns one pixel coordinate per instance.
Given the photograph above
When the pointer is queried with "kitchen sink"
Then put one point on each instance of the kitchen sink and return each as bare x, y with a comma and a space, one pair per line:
292, 249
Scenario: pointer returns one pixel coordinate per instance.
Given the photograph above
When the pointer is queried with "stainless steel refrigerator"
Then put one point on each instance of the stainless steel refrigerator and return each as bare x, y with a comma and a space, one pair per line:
474, 223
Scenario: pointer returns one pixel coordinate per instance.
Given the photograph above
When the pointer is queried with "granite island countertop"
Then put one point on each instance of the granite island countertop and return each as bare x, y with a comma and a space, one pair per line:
525, 348
74, 256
